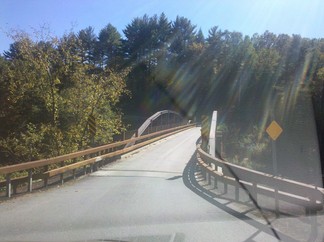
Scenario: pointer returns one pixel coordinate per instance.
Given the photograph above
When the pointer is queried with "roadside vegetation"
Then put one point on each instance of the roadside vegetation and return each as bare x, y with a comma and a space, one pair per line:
50, 85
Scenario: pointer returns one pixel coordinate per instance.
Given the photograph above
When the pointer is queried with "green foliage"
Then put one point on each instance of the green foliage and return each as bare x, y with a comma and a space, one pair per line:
252, 143
34, 143
51, 91
108, 46
183, 34
87, 43
250, 148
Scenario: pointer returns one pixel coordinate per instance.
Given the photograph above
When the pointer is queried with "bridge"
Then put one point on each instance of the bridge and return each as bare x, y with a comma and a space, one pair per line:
162, 184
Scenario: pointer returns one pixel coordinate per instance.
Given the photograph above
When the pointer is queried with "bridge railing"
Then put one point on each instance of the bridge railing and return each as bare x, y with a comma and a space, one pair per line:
82, 161
258, 183
254, 182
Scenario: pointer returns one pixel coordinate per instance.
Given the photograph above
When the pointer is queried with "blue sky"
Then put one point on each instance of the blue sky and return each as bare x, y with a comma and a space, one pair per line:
304, 17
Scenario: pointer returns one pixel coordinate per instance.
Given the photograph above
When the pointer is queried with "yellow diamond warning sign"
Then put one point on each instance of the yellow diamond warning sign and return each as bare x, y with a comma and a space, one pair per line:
274, 130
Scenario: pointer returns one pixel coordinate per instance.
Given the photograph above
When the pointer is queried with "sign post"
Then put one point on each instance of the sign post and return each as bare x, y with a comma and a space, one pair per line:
274, 131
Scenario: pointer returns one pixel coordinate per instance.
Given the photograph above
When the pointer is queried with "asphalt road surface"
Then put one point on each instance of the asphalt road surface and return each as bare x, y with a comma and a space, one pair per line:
149, 195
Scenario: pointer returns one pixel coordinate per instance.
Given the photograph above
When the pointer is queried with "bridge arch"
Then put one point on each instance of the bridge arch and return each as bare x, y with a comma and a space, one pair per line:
159, 121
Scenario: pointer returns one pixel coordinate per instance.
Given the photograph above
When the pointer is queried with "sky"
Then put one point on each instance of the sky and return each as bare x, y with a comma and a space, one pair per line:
304, 17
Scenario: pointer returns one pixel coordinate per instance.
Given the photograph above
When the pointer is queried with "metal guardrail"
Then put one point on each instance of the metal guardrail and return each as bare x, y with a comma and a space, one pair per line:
93, 157
254, 182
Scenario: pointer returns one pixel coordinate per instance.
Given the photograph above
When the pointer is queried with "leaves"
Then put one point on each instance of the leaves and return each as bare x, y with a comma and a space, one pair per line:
51, 92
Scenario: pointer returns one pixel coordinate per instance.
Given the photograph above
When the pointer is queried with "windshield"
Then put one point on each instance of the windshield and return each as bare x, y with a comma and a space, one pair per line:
161, 121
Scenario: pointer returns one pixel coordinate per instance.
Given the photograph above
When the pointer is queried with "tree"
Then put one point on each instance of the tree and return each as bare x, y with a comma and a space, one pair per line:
51, 92
183, 34
146, 48
265, 41
88, 42
108, 46
200, 37
4, 99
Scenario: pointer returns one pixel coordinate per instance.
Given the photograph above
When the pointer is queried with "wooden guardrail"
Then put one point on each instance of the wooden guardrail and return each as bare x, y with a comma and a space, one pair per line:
254, 182
92, 157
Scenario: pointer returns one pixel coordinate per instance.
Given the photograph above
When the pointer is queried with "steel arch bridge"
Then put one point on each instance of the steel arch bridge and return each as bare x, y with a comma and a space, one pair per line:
159, 121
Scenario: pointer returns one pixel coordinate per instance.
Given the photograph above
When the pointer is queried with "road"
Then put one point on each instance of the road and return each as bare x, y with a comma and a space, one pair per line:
148, 195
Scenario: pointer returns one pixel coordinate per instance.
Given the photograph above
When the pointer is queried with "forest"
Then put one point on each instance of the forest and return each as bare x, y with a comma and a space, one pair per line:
49, 85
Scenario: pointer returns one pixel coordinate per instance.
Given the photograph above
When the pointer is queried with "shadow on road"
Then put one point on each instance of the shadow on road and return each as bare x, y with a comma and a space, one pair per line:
190, 182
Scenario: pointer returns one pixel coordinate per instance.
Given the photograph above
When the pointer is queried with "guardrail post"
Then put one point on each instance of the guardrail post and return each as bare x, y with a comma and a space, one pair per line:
30, 180
276, 202
62, 174
225, 186
45, 178
210, 174
237, 190
73, 172
203, 173
85, 170
255, 192
215, 182
222, 151
8, 185
168, 120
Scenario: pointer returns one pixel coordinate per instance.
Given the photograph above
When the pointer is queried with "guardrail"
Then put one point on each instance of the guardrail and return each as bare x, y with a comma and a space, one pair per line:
254, 182
93, 158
